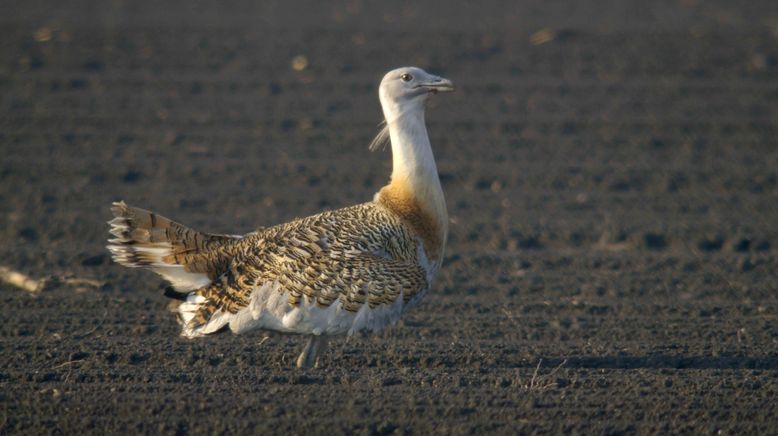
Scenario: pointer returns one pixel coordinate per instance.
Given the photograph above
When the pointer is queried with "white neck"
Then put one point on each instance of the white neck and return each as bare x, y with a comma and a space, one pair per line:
413, 165
412, 160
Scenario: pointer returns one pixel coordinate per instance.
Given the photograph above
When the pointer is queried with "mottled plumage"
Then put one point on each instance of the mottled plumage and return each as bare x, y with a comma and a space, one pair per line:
337, 272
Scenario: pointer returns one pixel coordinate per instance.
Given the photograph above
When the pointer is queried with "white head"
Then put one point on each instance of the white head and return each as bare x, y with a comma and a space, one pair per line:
406, 89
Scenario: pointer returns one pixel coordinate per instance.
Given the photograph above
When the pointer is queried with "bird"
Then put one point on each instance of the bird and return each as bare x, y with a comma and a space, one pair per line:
342, 271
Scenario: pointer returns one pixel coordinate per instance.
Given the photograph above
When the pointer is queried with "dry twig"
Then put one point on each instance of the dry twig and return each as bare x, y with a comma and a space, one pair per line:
35, 286
540, 383
26, 283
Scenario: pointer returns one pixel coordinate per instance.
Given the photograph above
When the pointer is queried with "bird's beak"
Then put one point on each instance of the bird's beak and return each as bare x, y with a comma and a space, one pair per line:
438, 84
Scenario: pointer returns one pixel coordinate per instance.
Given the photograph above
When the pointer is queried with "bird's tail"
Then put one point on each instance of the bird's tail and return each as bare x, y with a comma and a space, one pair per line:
185, 257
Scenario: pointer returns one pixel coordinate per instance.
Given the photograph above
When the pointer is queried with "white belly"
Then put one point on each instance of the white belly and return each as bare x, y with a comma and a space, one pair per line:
269, 309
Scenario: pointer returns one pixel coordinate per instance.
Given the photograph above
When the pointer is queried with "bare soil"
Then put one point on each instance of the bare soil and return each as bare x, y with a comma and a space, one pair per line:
611, 172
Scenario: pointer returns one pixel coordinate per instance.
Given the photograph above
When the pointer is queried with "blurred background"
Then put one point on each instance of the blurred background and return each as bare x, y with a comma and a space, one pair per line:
611, 173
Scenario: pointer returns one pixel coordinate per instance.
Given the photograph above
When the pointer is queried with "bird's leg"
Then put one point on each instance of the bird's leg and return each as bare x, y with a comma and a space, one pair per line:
313, 349
320, 349
303, 360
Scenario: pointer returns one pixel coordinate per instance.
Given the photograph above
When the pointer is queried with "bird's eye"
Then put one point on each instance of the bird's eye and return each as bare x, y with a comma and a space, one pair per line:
406, 77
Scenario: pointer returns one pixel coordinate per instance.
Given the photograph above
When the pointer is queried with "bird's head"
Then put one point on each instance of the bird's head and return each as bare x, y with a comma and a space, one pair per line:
407, 88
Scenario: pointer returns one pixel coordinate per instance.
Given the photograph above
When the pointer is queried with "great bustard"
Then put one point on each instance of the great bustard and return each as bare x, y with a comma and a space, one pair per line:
338, 272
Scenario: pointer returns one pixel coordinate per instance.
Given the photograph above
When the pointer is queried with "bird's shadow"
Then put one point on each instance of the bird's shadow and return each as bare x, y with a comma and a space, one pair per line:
662, 361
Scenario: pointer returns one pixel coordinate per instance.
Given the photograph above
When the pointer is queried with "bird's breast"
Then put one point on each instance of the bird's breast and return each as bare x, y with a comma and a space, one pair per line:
422, 218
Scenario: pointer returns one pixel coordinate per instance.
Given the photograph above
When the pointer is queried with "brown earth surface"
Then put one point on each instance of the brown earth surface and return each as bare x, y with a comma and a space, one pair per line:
611, 173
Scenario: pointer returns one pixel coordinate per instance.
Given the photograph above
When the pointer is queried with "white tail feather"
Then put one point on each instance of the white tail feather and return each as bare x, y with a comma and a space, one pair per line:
188, 310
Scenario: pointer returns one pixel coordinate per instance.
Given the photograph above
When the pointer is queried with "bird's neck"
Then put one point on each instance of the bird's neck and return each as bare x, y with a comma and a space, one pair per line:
414, 191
